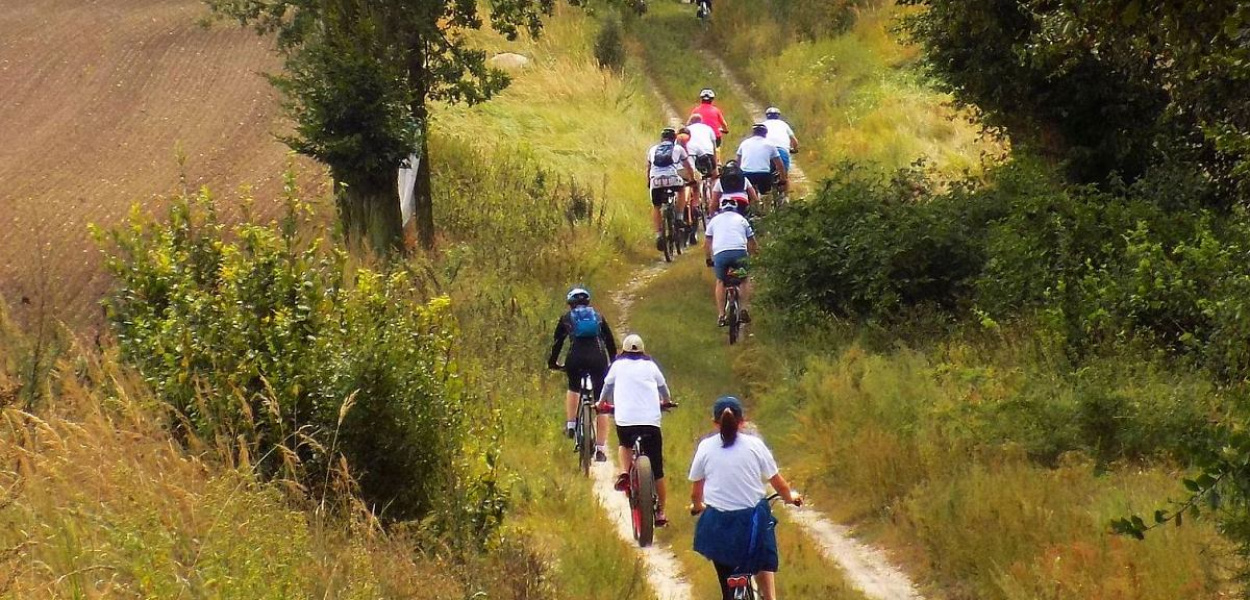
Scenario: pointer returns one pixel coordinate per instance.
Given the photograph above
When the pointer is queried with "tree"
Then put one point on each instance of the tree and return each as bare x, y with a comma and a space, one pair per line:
359, 75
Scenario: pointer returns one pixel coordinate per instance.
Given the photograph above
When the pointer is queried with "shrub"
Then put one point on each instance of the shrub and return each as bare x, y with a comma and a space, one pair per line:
610, 45
270, 344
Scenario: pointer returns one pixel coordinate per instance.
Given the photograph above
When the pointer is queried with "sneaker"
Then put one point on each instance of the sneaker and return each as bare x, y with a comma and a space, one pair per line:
721, 321
744, 316
622, 482
661, 519
600, 456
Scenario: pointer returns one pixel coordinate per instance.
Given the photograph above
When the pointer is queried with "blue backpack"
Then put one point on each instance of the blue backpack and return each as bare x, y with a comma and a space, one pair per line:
585, 322
663, 155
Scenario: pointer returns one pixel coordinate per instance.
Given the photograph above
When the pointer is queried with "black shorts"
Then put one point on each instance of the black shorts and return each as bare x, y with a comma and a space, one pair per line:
705, 164
577, 367
652, 444
762, 182
660, 195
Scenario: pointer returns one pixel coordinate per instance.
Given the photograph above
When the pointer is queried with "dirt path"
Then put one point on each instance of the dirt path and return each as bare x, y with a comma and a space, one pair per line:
868, 568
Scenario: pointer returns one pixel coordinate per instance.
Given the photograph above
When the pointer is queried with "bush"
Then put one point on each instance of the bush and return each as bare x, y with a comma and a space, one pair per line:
870, 247
610, 45
272, 345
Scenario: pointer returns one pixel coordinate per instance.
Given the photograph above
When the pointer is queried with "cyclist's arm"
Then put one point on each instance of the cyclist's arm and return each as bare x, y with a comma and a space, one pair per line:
780, 484
557, 343
696, 494
707, 246
664, 394
781, 167
794, 143
605, 332
646, 174
753, 247
608, 388
753, 195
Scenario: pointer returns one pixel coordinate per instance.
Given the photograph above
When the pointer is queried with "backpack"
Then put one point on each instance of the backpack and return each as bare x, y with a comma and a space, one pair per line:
732, 180
663, 155
585, 322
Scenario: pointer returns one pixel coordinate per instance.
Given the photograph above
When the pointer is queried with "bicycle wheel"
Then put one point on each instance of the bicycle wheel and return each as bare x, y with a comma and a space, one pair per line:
642, 501
586, 438
666, 232
731, 315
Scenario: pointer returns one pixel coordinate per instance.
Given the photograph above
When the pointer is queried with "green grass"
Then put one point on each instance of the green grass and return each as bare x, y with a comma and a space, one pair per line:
696, 361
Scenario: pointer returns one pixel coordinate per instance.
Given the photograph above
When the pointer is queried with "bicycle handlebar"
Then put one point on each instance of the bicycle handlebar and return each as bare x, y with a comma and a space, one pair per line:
796, 500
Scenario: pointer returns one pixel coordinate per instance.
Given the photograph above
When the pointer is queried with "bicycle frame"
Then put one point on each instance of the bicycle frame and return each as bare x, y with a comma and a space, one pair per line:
584, 430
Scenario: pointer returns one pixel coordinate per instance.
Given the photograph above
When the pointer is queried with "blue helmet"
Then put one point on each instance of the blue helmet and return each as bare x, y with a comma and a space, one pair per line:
577, 295
727, 402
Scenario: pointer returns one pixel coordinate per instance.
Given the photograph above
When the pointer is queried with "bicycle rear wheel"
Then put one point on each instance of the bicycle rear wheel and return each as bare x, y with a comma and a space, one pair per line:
666, 232
642, 501
585, 437
731, 316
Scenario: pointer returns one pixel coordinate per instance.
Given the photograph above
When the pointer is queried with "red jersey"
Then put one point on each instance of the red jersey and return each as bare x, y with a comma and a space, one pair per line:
712, 117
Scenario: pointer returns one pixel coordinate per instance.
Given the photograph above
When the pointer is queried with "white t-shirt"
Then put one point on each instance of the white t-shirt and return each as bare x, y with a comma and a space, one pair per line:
739, 195
733, 477
702, 139
779, 133
636, 384
669, 176
756, 154
729, 231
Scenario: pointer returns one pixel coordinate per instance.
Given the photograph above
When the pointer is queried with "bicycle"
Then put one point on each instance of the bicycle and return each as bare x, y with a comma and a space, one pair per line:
644, 502
670, 234
742, 585
584, 428
734, 277
704, 11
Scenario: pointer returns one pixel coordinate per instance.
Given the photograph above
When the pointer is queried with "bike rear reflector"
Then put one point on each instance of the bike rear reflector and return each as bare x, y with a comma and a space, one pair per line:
737, 582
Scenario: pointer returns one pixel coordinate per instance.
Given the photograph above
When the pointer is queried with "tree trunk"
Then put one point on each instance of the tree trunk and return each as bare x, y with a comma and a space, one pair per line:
422, 197
369, 213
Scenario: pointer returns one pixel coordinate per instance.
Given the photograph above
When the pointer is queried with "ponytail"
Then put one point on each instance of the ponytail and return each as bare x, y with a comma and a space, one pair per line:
729, 423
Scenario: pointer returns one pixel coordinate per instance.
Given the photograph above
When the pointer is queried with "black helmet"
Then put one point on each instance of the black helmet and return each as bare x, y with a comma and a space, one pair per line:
668, 134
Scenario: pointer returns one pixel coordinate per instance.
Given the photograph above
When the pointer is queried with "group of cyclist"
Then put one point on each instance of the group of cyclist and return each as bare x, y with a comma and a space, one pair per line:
760, 160
730, 466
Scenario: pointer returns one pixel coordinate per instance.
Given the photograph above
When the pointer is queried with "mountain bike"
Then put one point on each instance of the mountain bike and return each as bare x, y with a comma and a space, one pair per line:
734, 277
704, 11
584, 428
671, 237
644, 502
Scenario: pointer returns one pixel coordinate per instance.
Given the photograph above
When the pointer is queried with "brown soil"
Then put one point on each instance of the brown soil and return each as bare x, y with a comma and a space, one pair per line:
99, 97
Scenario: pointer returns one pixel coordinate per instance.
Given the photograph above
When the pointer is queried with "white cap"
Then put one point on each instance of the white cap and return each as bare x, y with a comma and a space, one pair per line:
633, 343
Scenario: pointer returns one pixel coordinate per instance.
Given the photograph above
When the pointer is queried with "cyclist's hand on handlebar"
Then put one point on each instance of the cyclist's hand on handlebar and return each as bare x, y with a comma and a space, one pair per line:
710, 263
668, 405
796, 499
696, 509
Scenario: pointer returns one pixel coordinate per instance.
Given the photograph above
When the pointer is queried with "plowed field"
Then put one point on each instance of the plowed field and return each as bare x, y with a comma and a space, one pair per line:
97, 98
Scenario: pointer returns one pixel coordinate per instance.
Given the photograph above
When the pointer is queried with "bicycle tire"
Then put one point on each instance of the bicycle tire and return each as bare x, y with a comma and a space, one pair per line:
643, 502
665, 214
586, 441
731, 316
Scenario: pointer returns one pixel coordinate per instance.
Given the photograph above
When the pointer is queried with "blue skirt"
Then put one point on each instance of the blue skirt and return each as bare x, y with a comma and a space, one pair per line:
745, 539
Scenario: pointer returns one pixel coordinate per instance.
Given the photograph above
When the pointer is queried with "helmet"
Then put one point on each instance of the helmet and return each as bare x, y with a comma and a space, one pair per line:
729, 203
707, 94
577, 295
773, 112
727, 402
669, 134
633, 343
759, 129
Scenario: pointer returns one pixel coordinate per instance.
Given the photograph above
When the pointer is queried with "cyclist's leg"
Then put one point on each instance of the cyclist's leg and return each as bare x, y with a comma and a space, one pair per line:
723, 572
653, 447
624, 448
657, 200
767, 581
597, 374
574, 390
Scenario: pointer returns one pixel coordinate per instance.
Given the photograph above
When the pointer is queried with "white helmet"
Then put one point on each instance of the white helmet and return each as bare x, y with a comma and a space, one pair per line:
729, 203
707, 94
633, 343
772, 113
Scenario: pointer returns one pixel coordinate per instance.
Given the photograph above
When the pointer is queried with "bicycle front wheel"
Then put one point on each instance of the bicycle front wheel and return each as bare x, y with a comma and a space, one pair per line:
643, 502
586, 437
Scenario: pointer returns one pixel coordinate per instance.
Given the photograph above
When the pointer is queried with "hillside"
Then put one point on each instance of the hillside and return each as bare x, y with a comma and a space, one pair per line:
100, 99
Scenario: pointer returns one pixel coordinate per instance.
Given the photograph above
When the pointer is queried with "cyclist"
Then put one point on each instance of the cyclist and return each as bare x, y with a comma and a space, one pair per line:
668, 170
732, 183
590, 346
759, 160
728, 241
736, 527
712, 116
702, 148
780, 135
637, 391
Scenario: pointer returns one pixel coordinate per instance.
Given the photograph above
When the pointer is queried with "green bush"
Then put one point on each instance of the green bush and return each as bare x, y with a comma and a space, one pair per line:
271, 344
610, 45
